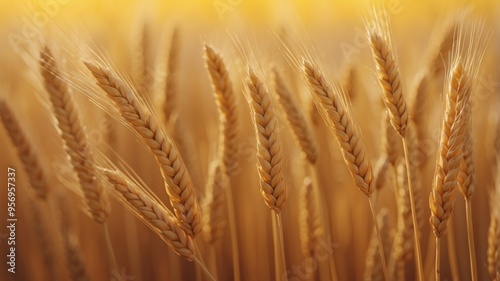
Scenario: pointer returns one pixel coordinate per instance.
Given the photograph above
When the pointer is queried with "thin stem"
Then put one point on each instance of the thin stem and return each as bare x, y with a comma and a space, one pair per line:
109, 248
438, 260
233, 234
204, 269
418, 254
470, 237
429, 257
213, 260
321, 199
380, 244
131, 239
452, 253
279, 249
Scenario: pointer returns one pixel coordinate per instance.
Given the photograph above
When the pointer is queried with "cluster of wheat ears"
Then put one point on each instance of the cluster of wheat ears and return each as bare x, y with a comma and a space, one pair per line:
281, 113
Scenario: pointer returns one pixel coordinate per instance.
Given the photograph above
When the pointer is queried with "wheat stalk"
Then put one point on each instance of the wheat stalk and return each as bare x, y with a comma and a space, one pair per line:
26, 151
450, 154
74, 136
176, 177
373, 264
394, 100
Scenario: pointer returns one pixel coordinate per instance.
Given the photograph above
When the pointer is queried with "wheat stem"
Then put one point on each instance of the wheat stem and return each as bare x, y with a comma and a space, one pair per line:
279, 247
109, 247
418, 254
379, 237
452, 252
234, 235
204, 269
470, 238
437, 260
320, 199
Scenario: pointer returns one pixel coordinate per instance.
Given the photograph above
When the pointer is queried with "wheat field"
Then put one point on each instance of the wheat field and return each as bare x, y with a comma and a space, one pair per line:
250, 140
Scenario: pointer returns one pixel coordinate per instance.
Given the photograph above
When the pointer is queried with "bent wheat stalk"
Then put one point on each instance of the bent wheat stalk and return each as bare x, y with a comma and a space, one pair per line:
392, 95
269, 157
177, 180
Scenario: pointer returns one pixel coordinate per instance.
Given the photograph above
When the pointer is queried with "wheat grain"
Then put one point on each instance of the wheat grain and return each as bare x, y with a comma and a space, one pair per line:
176, 177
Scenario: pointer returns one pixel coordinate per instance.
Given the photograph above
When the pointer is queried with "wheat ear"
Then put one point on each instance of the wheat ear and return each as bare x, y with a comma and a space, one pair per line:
493, 252
449, 158
390, 82
442, 196
269, 153
75, 138
466, 185
177, 180
402, 250
301, 130
152, 213
373, 264
171, 89
74, 259
311, 229
26, 151
214, 202
340, 122
227, 107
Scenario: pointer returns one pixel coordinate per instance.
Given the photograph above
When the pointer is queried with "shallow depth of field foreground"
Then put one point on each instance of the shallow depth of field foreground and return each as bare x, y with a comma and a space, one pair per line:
249, 140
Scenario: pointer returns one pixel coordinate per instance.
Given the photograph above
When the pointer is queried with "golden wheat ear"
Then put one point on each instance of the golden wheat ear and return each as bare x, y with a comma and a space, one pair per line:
226, 105
74, 137
340, 122
296, 120
176, 177
152, 213
26, 150
269, 152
